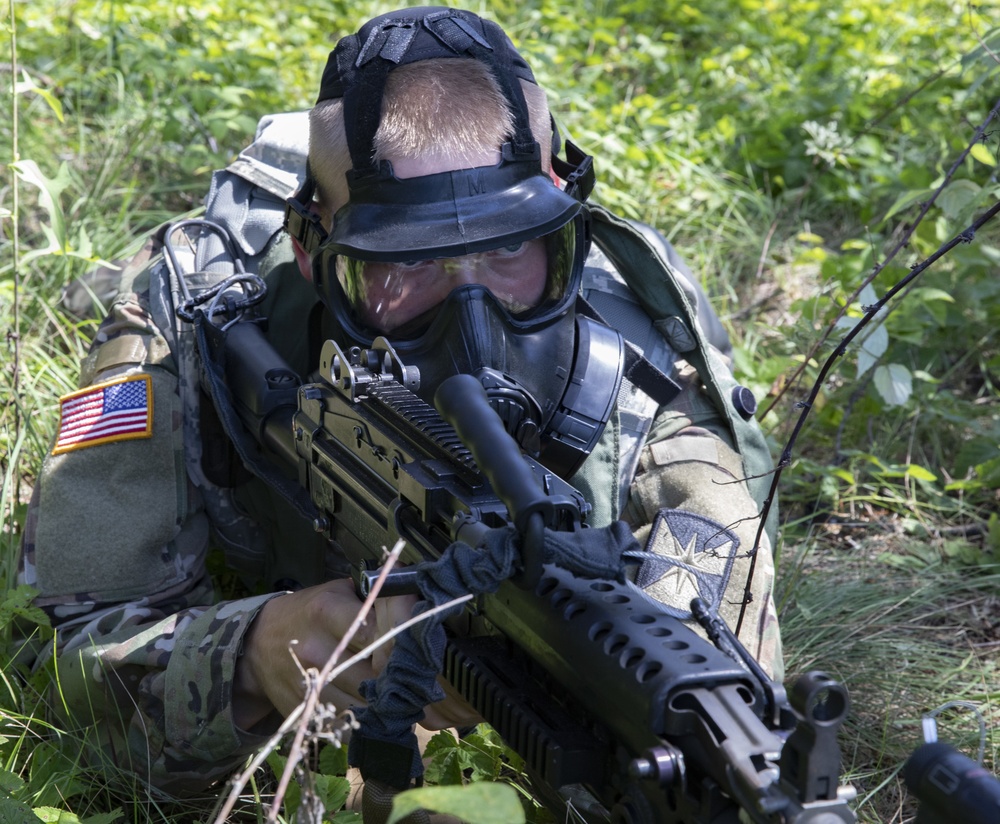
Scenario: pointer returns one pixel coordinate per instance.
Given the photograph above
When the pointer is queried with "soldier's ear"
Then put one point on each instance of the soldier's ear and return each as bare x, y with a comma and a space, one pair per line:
303, 259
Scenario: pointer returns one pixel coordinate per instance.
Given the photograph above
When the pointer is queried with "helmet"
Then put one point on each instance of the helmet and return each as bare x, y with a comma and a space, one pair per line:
466, 271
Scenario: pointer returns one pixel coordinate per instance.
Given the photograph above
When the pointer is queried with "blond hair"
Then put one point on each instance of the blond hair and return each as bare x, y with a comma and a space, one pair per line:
448, 108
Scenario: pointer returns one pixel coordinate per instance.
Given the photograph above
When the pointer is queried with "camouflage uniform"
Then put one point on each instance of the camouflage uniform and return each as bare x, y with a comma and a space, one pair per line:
679, 457
118, 533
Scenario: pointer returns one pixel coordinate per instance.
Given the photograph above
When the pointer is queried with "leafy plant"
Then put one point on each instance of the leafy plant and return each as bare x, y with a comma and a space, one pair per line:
474, 758
784, 148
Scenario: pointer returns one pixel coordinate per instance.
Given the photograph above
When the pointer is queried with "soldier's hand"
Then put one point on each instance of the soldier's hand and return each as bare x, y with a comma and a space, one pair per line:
310, 624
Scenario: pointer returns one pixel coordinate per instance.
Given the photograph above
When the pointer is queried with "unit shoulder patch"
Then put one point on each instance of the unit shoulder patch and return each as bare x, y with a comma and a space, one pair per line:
117, 410
687, 556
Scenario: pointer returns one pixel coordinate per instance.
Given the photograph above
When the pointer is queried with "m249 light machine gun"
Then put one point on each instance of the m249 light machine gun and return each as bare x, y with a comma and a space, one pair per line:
620, 711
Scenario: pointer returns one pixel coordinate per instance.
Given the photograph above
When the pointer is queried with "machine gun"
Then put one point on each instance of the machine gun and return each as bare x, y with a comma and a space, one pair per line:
619, 710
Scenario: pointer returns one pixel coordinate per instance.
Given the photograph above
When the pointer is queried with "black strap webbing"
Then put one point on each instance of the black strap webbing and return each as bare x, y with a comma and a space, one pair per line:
211, 340
639, 371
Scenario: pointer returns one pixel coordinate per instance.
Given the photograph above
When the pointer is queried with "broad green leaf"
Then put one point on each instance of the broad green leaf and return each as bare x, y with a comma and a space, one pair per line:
50, 188
927, 293
28, 85
872, 342
49, 249
894, 383
855, 245
89, 30
989, 46
53, 815
10, 782
448, 763
907, 199
475, 755
18, 602
84, 246
975, 451
989, 473
332, 790
333, 760
809, 237
958, 195
920, 473
293, 797
934, 301
983, 154
479, 803
488, 740
873, 339
844, 475
13, 812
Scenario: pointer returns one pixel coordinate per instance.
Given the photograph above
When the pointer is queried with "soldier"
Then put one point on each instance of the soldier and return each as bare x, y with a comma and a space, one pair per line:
419, 104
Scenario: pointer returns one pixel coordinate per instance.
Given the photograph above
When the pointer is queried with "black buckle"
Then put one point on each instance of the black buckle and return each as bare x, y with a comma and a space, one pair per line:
301, 222
577, 171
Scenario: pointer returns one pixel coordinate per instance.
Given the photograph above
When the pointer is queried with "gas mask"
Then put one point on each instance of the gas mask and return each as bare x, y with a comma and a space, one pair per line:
471, 271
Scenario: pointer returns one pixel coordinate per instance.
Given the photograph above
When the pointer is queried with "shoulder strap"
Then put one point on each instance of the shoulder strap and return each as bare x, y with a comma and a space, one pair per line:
214, 262
655, 284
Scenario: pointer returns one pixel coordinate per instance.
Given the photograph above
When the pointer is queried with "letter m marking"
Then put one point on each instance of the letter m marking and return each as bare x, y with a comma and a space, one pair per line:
477, 186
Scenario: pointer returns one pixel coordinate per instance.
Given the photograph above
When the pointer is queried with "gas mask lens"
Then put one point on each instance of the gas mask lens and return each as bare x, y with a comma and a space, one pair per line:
402, 296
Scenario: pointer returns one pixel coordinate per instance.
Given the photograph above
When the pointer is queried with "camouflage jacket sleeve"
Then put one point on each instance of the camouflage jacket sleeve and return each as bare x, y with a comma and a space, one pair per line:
115, 544
690, 504
681, 484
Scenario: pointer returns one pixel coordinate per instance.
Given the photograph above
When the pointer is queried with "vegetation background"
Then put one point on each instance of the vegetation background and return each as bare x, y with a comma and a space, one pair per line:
784, 146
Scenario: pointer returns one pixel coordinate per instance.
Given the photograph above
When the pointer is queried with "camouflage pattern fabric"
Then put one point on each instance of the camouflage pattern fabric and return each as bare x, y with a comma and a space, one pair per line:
115, 542
118, 534
681, 457
688, 464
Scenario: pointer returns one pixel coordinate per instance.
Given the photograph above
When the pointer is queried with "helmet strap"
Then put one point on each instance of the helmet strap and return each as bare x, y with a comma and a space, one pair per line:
301, 222
357, 71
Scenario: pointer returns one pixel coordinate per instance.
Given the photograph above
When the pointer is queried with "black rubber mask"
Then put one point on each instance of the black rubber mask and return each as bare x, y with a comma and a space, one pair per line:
452, 213
474, 334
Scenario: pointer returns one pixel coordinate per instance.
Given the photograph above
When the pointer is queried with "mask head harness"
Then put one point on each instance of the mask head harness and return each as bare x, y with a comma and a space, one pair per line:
546, 370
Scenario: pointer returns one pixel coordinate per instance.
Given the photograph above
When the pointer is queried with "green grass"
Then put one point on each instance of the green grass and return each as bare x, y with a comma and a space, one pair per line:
783, 147
904, 642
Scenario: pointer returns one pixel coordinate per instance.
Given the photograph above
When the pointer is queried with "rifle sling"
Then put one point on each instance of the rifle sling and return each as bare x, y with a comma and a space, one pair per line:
409, 682
211, 342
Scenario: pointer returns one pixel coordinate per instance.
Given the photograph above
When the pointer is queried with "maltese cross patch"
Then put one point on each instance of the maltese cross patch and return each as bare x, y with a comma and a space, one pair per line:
688, 556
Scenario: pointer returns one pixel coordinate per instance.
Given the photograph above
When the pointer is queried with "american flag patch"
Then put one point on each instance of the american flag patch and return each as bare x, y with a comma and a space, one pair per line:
118, 410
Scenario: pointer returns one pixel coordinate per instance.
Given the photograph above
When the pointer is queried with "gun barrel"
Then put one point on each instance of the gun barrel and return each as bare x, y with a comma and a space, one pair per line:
462, 401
